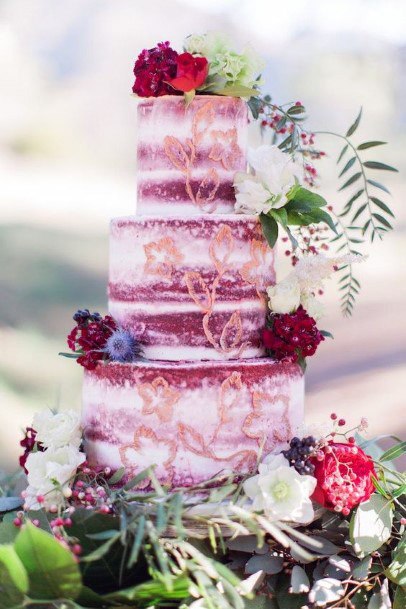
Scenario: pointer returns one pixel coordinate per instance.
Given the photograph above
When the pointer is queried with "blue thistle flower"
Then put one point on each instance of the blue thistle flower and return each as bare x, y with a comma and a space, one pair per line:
122, 347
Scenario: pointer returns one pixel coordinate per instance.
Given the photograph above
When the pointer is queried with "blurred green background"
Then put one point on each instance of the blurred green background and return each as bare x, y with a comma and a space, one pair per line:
67, 164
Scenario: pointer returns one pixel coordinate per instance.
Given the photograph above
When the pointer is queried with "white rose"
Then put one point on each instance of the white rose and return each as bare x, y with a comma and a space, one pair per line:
281, 492
284, 297
275, 169
313, 306
55, 430
251, 196
49, 473
208, 45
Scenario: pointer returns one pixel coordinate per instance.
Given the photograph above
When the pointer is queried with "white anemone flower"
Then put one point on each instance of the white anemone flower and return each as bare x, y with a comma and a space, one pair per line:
55, 430
280, 491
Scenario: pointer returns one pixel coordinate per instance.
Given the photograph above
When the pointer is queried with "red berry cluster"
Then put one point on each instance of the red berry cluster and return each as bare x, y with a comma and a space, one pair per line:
28, 443
153, 69
292, 336
89, 337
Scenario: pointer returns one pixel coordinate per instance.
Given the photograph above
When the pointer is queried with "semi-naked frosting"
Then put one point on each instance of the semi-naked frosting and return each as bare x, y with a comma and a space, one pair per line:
187, 279
188, 156
192, 420
191, 288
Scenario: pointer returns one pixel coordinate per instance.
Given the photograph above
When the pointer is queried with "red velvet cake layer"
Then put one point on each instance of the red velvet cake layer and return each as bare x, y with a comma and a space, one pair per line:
191, 288
192, 419
188, 155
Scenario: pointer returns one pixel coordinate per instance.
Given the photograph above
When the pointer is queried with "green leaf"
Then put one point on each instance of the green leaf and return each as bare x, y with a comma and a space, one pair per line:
319, 215
382, 220
358, 212
8, 532
237, 91
383, 206
371, 525
352, 179
399, 601
117, 476
52, 570
280, 215
348, 166
13, 578
326, 334
355, 124
189, 97
366, 145
393, 453
396, 571
378, 185
153, 590
377, 165
255, 105
143, 475
269, 228
296, 110
307, 197
8, 504
342, 153
69, 355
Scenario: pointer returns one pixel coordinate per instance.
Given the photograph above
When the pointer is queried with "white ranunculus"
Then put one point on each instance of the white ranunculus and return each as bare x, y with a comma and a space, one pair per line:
251, 196
275, 169
313, 306
281, 492
49, 473
55, 430
284, 297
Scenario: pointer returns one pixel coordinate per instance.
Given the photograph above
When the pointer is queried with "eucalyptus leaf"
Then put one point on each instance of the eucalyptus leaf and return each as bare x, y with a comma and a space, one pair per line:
378, 185
352, 179
393, 453
299, 581
267, 563
378, 165
342, 153
397, 568
382, 220
366, 145
399, 601
117, 476
8, 504
361, 569
347, 166
52, 570
371, 525
355, 124
382, 206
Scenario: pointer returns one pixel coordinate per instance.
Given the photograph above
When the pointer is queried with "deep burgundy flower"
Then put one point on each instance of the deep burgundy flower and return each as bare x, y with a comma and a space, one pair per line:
291, 336
89, 338
191, 72
344, 477
28, 443
153, 70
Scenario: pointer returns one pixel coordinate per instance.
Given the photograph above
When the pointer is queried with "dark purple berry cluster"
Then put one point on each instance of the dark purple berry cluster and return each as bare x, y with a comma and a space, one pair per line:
299, 452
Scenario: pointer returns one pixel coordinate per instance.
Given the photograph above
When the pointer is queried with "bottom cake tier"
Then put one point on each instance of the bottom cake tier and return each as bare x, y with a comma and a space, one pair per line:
192, 420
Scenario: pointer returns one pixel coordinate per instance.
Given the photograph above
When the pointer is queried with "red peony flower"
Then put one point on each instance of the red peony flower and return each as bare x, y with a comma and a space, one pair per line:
292, 335
344, 477
28, 443
153, 70
191, 72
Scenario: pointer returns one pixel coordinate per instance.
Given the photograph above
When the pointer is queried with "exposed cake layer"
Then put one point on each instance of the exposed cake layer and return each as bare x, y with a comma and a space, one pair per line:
191, 419
188, 155
191, 288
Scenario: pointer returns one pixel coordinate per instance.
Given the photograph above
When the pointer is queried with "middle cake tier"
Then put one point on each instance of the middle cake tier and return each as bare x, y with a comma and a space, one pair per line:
191, 288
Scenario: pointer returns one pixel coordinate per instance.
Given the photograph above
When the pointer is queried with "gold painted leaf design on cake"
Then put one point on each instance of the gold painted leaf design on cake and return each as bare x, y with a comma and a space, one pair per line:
207, 191
243, 461
194, 441
147, 449
198, 290
162, 256
269, 422
225, 148
232, 333
257, 270
221, 247
229, 395
158, 398
176, 153
202, 120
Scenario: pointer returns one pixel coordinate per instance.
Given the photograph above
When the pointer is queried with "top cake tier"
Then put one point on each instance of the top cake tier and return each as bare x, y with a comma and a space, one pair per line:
188, 156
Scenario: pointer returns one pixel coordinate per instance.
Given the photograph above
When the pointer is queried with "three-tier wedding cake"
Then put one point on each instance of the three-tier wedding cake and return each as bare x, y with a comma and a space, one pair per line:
187, 280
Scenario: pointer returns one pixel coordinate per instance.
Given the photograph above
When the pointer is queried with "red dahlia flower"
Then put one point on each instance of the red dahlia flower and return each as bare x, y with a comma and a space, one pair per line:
292, 335
153, 69
191, 72
344, 477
